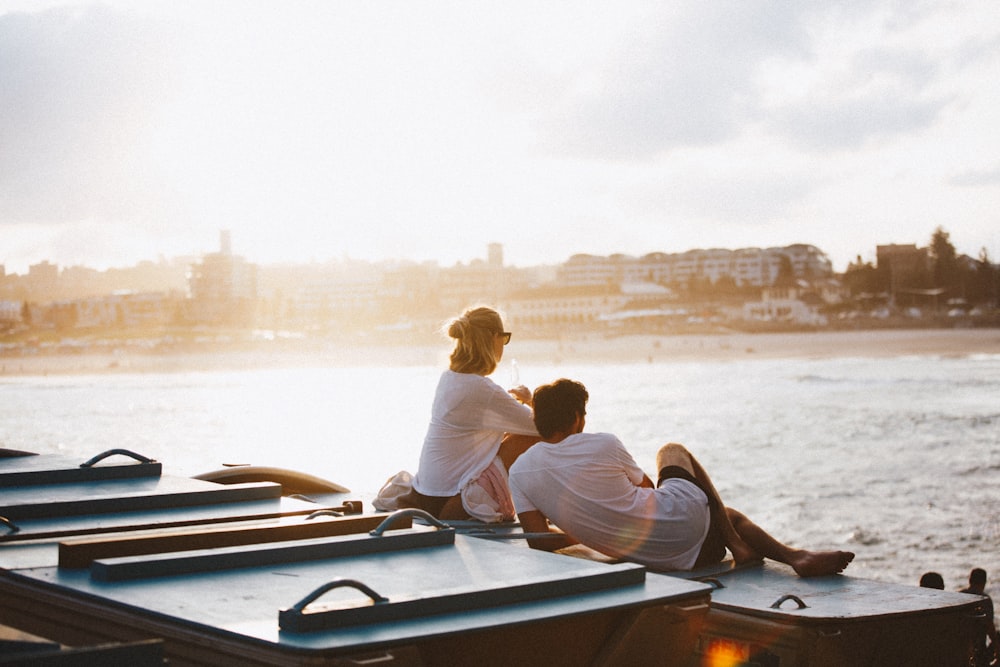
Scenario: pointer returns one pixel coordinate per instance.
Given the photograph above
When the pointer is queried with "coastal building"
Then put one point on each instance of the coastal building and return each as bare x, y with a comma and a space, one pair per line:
593, 270
10, 314
223, 288
795, 305
108, 311
42, 281
479, 281
905, 265
338, 296
552, 307
746, 266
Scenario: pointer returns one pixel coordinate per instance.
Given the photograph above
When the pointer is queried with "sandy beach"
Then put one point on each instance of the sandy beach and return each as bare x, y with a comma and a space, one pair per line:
587, 348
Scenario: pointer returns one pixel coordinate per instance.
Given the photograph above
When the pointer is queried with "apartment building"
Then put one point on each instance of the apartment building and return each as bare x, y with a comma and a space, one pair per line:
223, 288
746, 266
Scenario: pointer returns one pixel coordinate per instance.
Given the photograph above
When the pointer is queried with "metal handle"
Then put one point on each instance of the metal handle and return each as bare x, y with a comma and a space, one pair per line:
300, 606
784, 598
327, 512
399, 514
14, 528
715, 583
111, 452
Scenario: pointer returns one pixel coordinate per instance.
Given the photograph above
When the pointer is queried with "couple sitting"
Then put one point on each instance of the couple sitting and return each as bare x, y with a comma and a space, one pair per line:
586, 484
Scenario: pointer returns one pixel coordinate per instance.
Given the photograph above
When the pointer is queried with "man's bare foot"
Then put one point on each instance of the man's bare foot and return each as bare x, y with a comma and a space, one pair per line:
819, 563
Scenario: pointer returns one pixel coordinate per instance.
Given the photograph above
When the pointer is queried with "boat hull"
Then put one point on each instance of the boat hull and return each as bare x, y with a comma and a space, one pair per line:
767, 615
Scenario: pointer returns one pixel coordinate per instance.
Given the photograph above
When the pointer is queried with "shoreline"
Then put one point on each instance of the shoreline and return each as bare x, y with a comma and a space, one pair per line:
580, 348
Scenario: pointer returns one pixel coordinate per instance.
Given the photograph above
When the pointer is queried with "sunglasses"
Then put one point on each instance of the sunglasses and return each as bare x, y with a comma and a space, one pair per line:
505, 335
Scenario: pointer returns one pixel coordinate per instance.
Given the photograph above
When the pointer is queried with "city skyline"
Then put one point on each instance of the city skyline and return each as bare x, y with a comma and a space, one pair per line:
490, 253
323, 131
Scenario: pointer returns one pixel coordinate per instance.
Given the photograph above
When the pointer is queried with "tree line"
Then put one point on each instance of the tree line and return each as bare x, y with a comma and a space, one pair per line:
938, 268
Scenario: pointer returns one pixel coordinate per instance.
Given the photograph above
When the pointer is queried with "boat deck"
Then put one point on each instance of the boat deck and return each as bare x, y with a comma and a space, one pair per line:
241, 573
226, 573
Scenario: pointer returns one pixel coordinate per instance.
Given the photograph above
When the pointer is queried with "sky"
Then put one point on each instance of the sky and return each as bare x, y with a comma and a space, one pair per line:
317, 131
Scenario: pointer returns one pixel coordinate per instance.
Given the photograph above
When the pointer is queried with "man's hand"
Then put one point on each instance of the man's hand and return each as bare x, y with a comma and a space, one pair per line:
541, 535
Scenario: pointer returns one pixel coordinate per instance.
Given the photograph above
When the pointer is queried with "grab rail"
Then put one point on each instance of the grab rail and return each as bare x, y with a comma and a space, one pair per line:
112, 452
395, 517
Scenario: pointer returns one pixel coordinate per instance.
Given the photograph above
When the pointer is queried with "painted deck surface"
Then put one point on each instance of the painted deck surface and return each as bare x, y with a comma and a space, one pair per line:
55, 469
767, 615
244, 603
201, 571
214, 507
123, 495
755, 591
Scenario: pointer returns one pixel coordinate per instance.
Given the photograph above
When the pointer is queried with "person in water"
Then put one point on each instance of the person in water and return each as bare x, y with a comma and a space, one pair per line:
977, 582
932, 580
988, 651
590, 487
476, 426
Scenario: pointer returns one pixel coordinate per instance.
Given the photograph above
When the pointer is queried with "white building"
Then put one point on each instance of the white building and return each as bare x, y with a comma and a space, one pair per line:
783, 305
746, 266
223, 287
122, 309
10, 313
548, 307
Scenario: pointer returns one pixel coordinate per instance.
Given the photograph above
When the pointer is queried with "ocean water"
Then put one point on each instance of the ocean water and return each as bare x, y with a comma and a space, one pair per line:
895, 459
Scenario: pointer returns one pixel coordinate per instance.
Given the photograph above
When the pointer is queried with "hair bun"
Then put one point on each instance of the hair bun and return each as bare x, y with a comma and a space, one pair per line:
459, 327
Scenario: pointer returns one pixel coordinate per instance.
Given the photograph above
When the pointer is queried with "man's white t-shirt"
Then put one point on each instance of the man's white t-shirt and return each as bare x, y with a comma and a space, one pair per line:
586, 485
469, 417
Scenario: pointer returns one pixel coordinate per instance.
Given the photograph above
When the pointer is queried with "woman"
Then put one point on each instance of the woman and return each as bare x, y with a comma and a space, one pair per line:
470, 418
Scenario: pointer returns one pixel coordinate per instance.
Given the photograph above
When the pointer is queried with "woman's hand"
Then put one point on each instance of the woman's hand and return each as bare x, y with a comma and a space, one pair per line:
521, 393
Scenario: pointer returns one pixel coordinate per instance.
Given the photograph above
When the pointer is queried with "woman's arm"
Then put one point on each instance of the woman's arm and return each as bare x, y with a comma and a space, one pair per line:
522, 394
504, 413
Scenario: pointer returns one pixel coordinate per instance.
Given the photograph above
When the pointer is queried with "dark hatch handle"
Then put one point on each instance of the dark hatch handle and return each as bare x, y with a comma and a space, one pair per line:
112, 452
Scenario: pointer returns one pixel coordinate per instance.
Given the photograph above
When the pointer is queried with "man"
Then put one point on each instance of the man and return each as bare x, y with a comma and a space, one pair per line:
932, 580
987, 652
590, 487
977, 582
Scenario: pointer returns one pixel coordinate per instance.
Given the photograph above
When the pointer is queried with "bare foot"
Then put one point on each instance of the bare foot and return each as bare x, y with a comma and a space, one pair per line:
819, 563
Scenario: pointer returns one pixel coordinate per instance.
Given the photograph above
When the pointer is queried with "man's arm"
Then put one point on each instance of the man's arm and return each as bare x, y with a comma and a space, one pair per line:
534, 522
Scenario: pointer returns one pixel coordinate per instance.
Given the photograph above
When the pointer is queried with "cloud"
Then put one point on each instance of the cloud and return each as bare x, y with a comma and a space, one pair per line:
703, 75
79, 88
881, 94
977, 178
686, 79
326, 129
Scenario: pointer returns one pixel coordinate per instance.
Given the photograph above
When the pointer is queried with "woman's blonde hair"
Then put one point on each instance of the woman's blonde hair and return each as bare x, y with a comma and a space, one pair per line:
475, 334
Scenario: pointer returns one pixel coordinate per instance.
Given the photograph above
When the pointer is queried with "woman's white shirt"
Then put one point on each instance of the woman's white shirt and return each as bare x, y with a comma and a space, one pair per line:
469, 417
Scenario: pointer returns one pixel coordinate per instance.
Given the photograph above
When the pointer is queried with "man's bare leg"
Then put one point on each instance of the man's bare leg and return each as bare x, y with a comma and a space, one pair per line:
677, 455
805, 563
746, 540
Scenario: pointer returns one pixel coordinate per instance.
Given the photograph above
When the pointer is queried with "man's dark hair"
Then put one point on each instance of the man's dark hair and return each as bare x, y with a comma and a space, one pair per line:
557, 405
977, 577
932, 580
